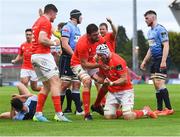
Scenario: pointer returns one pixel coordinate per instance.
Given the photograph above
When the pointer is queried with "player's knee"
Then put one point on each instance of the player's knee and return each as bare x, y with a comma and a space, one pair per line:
110, 116
87, 82
129, 115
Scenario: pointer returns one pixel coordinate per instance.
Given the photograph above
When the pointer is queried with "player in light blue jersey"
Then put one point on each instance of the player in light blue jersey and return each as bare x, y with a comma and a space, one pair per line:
159, 53
70, 34
23, 105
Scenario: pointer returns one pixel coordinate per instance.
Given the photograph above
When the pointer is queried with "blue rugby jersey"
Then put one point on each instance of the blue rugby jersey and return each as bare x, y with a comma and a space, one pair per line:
156, 36
31, 105
72, 32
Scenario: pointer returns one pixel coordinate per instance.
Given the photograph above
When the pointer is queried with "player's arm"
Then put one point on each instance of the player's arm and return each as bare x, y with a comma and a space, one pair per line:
146, 59
165, 54
66, 46
99, 78
114, 29
12, 113
44, 40
18, 58
23, 98
88, 65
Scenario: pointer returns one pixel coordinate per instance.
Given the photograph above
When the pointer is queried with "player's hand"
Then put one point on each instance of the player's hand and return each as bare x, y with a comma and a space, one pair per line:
163, 65
15, 96
40, 12
142, 66
56, 42
13, 61
104, 67
109, 20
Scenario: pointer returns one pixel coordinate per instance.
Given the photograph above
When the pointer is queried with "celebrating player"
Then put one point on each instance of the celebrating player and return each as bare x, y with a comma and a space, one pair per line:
45, 65
27, 72
121, 93
83, 65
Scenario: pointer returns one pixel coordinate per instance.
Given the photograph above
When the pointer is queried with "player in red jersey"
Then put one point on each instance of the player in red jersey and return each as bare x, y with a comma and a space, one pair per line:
27, 72
110, 40
83, 65
121, 93
45, 65
108, 36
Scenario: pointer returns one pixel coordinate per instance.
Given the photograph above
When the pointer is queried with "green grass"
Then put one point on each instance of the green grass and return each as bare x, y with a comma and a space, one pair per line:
144, 95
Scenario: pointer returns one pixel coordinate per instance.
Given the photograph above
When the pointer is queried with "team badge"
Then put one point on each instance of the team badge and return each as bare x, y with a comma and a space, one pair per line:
118, 67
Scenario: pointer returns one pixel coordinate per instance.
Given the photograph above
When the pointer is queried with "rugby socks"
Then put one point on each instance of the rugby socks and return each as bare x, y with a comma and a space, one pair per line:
77, 100
56, 102
139, 113
101, 96
40, 103
62, 99
86, 101
159, 99
68, 99
119, 113
165, 96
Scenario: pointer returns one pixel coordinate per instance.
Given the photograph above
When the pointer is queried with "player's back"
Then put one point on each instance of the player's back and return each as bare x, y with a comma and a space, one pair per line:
42, 24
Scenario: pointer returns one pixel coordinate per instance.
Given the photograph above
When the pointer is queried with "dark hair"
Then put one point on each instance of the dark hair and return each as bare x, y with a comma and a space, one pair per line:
104, 24
28, 30
75, 14
50, 7
17, 104
61, 24
91, 28
150, 12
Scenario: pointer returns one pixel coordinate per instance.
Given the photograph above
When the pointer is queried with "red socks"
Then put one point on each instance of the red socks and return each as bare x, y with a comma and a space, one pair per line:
57, 103
40, 102
86, 101
139, 113
119, 113
100, 97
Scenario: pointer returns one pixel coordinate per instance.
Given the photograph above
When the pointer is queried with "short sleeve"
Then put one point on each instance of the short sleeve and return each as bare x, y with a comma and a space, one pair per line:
163, 34
46, 27
20, 51
65, 32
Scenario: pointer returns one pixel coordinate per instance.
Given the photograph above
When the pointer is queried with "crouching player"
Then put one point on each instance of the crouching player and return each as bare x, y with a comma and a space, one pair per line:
23, 105
120, 89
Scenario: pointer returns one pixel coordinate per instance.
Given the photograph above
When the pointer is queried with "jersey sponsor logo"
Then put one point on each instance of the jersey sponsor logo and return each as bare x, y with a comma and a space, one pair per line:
151, 42
65, 30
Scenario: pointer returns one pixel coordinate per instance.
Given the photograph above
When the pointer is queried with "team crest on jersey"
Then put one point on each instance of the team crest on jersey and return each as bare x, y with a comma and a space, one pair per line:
163, 34
118, 67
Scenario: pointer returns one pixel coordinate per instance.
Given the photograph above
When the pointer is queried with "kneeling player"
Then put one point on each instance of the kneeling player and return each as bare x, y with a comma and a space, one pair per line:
119, 85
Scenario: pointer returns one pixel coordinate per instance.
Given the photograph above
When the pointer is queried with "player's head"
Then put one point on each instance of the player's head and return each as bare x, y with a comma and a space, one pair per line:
51, 11
103, 52
17, 104
28, 33
150, 17
103, 28
60, 25
92, 32
77, 15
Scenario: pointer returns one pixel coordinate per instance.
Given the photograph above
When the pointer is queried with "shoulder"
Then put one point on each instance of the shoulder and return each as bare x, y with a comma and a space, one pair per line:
160, 28
118, 59
101, 40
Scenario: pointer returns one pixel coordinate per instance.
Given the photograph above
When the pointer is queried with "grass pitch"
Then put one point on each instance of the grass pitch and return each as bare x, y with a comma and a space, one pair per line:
144, 95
